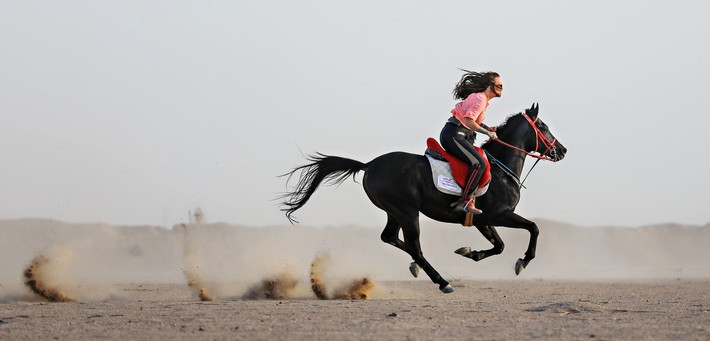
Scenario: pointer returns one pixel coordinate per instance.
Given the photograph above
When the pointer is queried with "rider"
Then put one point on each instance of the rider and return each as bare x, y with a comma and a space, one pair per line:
457, 137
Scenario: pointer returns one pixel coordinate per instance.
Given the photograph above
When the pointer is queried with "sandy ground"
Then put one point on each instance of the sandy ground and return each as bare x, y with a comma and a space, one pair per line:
585, 283
401, 310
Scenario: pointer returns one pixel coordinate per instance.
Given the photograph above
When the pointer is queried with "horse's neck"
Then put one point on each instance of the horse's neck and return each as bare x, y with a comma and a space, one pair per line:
511, 158
510, 132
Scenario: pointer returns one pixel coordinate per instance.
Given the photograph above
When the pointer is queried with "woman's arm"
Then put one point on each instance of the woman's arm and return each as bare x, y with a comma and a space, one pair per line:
471, 124
487, 127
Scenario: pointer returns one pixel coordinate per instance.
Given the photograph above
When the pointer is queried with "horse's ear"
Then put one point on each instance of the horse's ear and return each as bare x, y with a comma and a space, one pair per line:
534, 109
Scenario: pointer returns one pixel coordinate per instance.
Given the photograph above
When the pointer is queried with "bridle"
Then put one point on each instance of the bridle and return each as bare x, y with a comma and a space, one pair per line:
539, 136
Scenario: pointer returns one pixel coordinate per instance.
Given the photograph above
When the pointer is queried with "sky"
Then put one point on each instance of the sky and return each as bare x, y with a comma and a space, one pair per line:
136, 112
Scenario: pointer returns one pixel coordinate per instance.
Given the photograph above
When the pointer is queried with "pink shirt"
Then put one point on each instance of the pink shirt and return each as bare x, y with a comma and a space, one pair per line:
473, 107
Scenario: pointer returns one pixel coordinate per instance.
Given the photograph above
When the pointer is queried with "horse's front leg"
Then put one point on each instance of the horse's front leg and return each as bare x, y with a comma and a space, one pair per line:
515, 221
490, 233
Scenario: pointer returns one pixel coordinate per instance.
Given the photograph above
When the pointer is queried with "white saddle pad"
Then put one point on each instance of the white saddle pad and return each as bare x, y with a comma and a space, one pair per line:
444, 179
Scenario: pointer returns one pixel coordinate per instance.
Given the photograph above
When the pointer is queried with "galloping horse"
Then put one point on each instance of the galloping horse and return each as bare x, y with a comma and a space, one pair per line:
401, 185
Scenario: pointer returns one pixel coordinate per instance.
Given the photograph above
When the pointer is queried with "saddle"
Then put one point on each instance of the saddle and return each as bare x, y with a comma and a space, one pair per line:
449, 173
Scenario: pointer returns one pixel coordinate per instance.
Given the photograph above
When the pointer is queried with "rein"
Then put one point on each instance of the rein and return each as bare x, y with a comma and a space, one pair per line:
505, 169
539, 136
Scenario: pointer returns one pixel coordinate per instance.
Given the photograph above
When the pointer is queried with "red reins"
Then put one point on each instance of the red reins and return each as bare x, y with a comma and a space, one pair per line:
539, 136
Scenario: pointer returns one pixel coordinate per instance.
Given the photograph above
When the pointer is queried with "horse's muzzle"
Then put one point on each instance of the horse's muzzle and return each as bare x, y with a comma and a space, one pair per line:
557, 154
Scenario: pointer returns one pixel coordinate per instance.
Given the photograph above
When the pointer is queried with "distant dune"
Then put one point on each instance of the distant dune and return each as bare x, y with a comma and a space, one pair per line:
97, 254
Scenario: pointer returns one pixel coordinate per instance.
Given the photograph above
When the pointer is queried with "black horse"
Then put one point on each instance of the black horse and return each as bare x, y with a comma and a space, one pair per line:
401, 185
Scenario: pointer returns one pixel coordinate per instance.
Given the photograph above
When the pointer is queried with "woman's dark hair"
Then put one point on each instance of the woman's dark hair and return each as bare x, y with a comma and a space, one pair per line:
473, 82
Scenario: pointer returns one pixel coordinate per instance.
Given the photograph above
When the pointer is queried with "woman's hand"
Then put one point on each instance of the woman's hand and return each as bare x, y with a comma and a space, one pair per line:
492, 134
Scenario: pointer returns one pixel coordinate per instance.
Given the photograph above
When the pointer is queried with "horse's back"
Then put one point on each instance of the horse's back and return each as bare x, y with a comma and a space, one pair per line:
395, 166
394, 159
395, 175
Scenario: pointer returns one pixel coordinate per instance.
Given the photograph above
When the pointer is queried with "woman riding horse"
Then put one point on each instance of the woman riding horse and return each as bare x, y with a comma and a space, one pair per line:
401, 185
457, 137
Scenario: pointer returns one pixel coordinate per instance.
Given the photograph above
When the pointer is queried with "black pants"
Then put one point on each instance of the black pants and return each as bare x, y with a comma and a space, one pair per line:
458, 140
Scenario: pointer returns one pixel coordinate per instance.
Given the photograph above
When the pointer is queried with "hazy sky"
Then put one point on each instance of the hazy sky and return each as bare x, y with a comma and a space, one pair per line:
134, 112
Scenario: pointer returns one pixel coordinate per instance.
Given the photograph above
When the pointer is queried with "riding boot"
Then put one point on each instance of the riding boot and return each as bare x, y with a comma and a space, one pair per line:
471, 206
468, 200
468, 205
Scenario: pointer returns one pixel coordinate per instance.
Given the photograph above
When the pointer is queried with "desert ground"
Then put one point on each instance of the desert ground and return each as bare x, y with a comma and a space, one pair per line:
219, 281
405, 310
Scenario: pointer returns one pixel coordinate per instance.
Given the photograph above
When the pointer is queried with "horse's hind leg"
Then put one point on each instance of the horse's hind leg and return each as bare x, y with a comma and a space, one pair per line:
390, 235
490, 233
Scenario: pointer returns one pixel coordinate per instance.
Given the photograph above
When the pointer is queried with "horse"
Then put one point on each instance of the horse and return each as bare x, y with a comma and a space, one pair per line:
401, 184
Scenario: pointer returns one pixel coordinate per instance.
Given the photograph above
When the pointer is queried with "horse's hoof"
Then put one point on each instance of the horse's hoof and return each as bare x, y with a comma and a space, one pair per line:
464, 251
476, 255
447, 289
519, 266
414, 269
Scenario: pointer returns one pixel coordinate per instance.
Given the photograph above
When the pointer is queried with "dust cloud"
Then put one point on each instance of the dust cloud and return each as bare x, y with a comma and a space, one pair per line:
317, 282
42, 281
358, 289
87, 262
194, 281
279, 287
192, 264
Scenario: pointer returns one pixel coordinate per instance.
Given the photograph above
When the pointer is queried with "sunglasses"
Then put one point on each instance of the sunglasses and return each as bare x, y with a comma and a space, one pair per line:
498, 86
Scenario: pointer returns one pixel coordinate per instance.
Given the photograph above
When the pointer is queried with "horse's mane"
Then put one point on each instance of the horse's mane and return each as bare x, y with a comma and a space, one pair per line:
501, 128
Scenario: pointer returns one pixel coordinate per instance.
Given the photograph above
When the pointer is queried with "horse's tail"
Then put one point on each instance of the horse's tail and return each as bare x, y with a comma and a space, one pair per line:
333, 169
